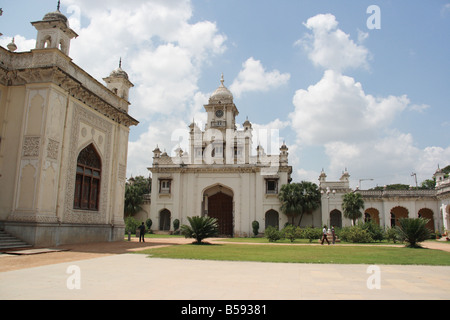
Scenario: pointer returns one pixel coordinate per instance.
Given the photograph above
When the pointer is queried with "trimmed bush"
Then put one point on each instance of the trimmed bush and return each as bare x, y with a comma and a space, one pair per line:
255, 227
291, 232
272, 234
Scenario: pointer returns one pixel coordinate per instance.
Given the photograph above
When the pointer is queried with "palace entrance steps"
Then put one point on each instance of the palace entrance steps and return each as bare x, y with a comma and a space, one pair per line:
8, 241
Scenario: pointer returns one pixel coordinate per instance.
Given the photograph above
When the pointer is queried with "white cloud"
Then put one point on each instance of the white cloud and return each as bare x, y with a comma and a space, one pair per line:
21, 42
330, 47
253, 77
338, 109
162, 51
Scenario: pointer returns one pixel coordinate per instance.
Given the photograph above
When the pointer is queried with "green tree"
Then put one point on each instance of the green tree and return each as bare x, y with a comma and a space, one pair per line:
135, 189
298, 199
352, 203
413, 231
289, 196
309, 198
200, 228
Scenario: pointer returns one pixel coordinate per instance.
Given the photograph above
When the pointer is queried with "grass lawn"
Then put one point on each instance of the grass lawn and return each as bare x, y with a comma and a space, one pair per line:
338, 254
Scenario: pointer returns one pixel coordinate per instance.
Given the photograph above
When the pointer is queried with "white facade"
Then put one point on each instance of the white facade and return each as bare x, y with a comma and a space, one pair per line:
63, 143
219, 176
385, 207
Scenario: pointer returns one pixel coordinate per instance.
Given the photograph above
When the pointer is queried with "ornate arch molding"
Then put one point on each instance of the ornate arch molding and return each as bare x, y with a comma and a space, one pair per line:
82, 115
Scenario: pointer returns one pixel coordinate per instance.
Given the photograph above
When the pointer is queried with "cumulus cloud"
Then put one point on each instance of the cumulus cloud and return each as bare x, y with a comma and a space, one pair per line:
21, 42
254, 77
338, 109
330, 47
163, 52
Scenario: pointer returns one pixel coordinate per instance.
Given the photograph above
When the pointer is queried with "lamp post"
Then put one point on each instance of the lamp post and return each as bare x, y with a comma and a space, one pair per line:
328, 192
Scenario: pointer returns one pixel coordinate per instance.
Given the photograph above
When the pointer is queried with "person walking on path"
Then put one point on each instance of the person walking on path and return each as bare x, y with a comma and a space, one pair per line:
141, 232
324, 236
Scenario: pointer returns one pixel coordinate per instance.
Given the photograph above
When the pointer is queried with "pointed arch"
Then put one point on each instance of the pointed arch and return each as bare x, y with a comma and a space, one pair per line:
88, 179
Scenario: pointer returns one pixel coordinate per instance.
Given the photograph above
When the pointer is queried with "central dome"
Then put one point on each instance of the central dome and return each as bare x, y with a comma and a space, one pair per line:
222, 94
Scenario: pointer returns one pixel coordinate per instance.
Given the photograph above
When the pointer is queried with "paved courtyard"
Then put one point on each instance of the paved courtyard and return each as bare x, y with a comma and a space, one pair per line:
124, 275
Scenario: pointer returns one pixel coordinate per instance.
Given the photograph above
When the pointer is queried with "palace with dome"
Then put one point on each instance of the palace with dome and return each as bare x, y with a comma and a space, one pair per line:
63, 157
219, 175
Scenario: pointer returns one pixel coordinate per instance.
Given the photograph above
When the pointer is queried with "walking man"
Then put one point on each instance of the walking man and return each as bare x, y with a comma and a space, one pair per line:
324, 236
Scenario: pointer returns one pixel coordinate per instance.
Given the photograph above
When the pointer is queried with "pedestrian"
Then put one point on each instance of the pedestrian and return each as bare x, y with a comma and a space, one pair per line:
141, 232
324, 231
333, 234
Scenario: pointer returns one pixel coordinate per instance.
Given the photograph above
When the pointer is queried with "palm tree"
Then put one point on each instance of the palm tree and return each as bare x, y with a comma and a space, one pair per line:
352, 203
289, 196
200, 228
310, 198
413, 231
298, 199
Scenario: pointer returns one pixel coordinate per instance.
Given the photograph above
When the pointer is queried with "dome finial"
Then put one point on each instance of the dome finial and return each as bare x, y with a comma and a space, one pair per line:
120, 62
59, 5
222, 79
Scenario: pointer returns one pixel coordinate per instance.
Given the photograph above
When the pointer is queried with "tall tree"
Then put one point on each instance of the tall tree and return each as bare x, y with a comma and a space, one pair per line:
352, 203
309, 198
135, 189
298, 199
289, 196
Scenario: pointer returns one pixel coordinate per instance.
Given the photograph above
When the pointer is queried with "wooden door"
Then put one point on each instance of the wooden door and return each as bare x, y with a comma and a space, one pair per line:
220, 206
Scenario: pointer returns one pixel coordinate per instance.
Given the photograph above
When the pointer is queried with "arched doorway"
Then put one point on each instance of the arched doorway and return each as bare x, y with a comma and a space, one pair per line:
398, 213
336, 218
427, 214
164, 220
272, 219
220, 206
372, 215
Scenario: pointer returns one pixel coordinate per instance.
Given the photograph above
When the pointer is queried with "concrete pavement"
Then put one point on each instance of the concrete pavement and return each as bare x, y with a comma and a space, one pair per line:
135, 277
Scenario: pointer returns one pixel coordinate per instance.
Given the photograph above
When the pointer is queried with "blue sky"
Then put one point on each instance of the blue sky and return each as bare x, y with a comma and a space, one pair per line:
374, 101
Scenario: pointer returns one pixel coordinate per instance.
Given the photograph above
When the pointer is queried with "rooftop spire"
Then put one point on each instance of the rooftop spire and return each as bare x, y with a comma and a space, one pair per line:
59, 5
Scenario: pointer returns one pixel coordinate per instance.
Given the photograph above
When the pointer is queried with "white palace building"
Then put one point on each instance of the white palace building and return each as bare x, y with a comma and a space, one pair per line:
219, 176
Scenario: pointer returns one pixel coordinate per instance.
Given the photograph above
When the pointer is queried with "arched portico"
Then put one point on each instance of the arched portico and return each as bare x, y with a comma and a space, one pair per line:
336, 218
427, 214
398, 213
218, 203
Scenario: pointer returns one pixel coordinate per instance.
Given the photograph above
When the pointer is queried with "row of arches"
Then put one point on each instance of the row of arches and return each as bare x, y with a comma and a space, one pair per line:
396, 213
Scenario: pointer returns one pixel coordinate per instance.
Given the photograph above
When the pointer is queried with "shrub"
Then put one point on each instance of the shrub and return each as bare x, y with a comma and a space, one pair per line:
355, 234
391, 234
200, 228
375, 231
131, 225
255, 226
311, 233
272, 234
413, 231
291, 232
149, 223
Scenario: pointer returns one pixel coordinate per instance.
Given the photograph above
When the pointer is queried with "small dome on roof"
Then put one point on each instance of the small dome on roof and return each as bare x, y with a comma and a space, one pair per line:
119, 72
222, 94
56, 15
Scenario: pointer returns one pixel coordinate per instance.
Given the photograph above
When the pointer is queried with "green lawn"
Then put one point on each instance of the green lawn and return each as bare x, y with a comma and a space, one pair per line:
339, 254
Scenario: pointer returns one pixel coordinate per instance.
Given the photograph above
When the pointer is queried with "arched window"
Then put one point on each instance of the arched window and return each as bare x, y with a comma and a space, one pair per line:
87, 182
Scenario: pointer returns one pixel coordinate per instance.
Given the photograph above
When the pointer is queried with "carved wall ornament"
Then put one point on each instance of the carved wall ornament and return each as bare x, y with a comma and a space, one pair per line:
31, 147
